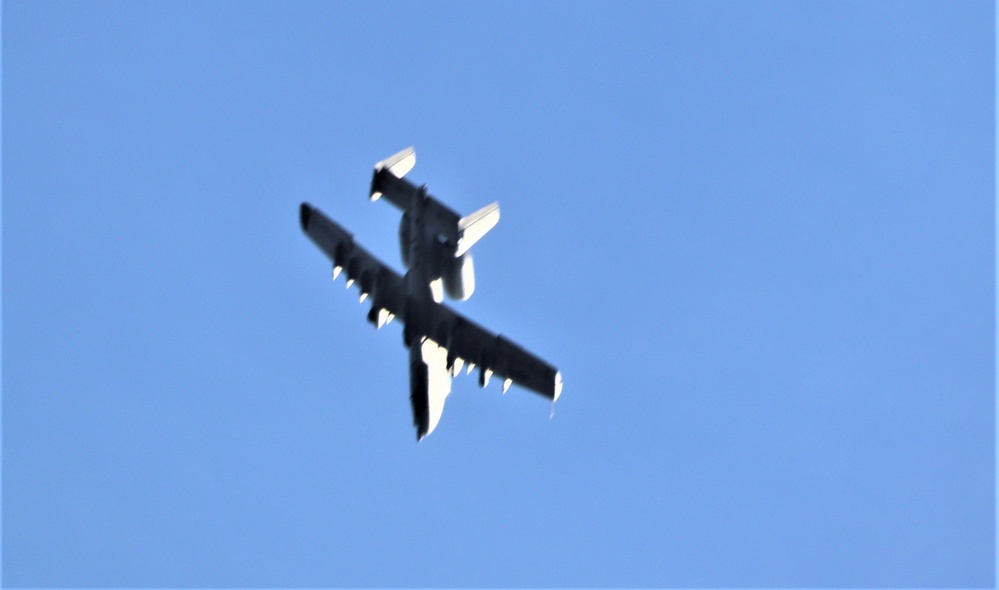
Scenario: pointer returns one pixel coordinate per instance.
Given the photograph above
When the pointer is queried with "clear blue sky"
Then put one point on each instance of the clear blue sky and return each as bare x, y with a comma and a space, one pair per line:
756, 237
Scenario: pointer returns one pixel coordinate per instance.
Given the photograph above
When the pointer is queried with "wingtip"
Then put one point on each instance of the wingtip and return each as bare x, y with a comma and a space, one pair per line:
304, 214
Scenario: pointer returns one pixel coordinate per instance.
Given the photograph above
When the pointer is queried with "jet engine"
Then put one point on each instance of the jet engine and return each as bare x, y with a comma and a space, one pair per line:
459, 277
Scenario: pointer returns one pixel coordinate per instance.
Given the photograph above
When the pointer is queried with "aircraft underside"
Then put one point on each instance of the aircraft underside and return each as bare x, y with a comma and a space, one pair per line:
435, 243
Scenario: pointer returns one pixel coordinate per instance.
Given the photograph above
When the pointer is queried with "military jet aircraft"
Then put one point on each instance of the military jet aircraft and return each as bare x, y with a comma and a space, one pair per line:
435, 243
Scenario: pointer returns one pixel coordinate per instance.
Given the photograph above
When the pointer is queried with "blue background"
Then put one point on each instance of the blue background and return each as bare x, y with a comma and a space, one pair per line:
756, 237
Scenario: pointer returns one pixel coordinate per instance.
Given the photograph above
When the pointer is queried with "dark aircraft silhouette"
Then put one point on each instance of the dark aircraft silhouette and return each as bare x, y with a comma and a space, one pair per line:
434, 242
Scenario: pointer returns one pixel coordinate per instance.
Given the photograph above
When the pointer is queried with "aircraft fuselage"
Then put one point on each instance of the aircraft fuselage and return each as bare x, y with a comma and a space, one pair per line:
434, 244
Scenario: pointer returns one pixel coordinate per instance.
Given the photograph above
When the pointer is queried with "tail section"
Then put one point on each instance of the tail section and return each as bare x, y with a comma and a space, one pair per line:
474, 226
394, 167
400, 164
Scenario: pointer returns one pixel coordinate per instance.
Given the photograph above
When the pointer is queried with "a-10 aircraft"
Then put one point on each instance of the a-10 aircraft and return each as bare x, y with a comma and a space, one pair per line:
435, 244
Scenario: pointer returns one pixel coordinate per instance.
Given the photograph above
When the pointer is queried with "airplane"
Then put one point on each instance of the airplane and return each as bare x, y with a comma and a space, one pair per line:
434, 242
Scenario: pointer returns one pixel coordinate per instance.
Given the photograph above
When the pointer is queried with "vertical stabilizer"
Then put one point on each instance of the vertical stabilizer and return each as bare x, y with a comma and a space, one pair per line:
473, 227
388, 175
400, 164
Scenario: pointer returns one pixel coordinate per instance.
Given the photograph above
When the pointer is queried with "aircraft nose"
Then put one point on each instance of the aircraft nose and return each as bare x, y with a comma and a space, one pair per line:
304, 213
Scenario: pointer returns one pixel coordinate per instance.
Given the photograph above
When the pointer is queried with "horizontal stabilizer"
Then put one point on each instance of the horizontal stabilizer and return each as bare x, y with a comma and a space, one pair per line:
473, 227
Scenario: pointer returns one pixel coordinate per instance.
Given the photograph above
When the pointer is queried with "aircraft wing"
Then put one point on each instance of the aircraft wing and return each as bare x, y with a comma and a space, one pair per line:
375, 279
493, 355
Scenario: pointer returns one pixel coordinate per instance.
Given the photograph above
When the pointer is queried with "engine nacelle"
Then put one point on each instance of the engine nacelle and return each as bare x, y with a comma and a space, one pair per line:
459, 277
